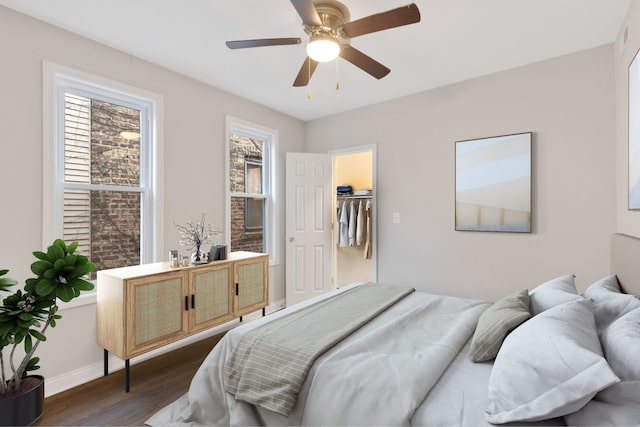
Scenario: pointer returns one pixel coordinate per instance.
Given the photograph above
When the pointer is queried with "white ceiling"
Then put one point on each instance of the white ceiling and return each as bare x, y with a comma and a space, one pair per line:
456, 40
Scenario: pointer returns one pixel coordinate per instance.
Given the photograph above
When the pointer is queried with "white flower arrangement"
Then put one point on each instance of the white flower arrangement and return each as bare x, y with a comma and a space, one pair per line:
195, 234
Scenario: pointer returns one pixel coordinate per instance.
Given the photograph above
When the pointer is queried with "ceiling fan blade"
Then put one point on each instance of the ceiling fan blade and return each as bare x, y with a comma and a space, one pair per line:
241, 44
305, 73
382, 21
307, 12
364, 62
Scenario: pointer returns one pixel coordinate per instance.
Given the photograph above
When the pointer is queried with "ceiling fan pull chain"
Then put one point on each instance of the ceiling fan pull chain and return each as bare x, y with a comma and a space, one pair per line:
337, 74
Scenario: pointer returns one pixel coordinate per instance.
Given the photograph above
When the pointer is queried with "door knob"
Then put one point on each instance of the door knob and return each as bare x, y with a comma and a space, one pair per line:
291, 239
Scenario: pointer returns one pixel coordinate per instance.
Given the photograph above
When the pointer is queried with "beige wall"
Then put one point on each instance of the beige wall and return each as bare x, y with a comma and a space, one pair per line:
567, 102
194, 133
627, 221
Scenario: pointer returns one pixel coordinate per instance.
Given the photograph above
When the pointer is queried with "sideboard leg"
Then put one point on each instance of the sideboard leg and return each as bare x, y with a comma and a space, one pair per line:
106, 362
127, 376
241, 318
264, 311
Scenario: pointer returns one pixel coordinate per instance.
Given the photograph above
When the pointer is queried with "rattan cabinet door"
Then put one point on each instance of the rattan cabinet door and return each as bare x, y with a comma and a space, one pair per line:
157, 311
211, 296
252, 284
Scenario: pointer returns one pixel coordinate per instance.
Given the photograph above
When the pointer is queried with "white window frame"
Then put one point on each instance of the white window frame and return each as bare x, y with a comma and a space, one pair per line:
58, 80
236, 126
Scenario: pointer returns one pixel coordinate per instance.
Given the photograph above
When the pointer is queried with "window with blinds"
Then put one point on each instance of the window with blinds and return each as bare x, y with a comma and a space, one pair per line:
101, 145
102, 191
77, 139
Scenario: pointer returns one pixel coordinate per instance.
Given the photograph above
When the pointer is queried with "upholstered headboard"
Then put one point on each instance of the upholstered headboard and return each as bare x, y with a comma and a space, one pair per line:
625, 262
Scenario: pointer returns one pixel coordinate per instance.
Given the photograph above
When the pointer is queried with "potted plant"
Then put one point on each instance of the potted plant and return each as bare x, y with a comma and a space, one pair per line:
25, 317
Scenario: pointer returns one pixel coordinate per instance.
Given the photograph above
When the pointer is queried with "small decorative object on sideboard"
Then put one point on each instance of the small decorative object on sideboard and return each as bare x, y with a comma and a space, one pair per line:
174, 259
194, 235
217, 252
25, 317
185, 261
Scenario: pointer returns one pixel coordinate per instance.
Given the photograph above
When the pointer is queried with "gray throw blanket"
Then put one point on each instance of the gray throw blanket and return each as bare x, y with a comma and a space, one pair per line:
270, 363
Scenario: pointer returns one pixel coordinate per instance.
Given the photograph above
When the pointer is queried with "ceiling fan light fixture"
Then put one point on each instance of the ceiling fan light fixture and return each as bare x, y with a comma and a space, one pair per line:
323, 48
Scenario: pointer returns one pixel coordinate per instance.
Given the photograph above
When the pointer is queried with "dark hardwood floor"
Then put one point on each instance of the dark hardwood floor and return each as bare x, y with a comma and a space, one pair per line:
154, 384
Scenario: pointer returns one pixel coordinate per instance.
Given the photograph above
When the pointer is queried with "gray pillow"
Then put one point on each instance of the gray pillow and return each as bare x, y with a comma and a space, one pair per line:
496, 322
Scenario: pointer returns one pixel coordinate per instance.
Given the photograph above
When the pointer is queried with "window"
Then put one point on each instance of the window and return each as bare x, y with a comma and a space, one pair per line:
251, 225
253, 208
103, 149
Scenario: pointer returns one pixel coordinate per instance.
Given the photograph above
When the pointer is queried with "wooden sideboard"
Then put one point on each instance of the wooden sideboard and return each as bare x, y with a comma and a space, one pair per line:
141, 308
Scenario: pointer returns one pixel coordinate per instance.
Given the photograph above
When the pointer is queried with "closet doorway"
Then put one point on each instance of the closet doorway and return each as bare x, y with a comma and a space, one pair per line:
355, 261
315, 263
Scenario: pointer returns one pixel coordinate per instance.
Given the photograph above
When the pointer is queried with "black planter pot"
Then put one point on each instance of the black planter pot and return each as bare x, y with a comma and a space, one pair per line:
24, 409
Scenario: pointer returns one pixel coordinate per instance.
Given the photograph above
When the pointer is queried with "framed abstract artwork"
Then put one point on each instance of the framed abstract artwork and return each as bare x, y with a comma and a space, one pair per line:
493, 184
634, 133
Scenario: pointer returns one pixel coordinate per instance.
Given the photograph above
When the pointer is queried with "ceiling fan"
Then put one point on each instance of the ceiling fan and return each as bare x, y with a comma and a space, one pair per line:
327, 22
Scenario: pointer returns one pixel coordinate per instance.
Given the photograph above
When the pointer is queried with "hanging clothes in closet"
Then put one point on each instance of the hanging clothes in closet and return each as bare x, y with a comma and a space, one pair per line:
343, 226
367, 245
354, 223
360, 225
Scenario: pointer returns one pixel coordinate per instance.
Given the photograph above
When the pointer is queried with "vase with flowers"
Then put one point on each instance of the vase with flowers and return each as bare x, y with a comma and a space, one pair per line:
194, 235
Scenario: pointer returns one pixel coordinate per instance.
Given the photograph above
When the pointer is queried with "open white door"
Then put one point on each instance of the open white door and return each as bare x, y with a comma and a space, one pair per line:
308, 225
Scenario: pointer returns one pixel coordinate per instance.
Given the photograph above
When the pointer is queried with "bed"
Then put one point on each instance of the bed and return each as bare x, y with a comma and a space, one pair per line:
547, 356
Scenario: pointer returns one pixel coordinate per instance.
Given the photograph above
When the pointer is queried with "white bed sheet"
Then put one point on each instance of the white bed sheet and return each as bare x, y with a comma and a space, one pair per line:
365, 380
460, 396
380, 375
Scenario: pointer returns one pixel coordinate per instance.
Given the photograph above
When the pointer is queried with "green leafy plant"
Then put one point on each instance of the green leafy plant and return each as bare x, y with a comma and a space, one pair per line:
26, 315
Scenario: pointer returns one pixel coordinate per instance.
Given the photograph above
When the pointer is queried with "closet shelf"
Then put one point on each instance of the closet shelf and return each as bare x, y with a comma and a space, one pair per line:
353, 197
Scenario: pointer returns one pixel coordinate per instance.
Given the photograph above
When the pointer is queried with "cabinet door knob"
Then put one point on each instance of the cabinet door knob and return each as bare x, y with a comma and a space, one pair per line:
186, 303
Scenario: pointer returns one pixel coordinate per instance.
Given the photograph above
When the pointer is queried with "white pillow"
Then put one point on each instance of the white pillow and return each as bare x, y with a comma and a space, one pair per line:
554, 292
619, 404
621, 345
549, 366
609, 302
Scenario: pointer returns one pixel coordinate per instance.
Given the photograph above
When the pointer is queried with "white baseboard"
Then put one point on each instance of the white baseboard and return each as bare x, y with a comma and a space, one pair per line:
88, 373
